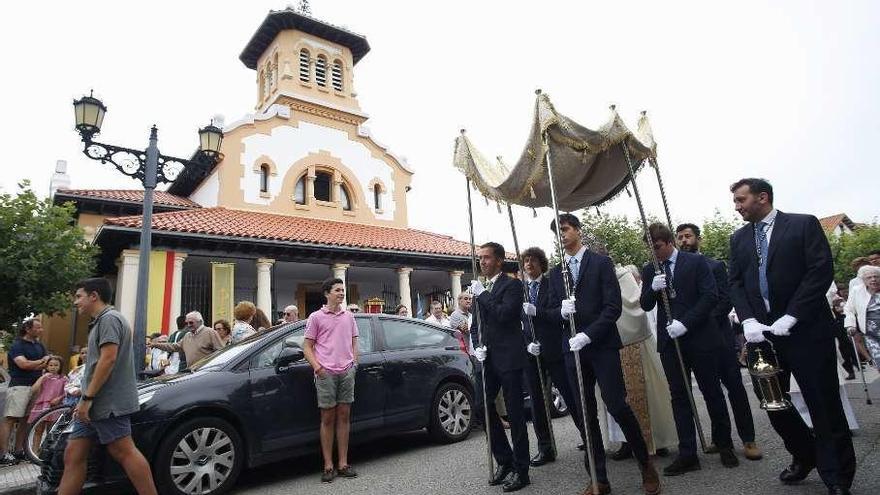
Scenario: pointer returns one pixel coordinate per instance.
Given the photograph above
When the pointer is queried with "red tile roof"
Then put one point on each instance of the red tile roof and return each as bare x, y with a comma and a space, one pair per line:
831, 223
131, 196
221, 221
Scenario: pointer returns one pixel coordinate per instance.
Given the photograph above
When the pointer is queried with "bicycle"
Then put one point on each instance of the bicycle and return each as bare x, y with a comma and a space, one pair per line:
53, 421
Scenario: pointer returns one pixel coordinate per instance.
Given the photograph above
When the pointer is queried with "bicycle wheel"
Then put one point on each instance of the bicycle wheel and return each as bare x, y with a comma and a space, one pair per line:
52, 421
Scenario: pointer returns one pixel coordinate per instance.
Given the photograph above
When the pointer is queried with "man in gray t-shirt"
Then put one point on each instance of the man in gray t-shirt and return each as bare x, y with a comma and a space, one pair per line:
109, 394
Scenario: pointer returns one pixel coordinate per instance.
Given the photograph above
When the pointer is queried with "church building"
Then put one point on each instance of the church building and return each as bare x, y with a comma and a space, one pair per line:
303, 192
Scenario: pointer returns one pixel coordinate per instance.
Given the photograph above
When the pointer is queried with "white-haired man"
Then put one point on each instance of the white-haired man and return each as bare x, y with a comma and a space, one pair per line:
196, 344
291, 314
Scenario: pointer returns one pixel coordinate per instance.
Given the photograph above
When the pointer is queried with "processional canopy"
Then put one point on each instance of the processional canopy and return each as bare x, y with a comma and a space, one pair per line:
589, 168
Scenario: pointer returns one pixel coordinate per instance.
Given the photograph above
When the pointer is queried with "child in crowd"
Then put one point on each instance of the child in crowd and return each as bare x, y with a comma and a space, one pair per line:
49, 392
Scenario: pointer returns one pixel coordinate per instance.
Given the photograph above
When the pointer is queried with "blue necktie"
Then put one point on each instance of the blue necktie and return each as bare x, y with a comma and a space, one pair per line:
763, 247
573, 269
533, 291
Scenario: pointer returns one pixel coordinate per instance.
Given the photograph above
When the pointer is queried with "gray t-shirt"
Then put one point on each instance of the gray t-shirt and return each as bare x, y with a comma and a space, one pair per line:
118, 396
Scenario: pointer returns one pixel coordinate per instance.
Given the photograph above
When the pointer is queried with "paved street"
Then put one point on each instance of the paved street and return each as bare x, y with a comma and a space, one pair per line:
411, 464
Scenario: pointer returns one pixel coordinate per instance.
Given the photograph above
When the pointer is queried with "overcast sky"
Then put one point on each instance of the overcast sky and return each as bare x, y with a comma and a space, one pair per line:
787, 90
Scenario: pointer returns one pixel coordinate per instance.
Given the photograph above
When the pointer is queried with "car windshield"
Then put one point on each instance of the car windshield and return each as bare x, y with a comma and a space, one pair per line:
233, 351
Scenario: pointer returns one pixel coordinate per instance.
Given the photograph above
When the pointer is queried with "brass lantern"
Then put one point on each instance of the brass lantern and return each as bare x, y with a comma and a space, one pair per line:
89, 112
210, 139
767, 377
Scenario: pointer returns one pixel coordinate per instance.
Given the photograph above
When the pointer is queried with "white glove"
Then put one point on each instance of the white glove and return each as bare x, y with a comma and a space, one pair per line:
676, 329
529, 309
782, 326
477, 287
567, 308
754, 331
480, 353
578, 342
659, 282
534, 348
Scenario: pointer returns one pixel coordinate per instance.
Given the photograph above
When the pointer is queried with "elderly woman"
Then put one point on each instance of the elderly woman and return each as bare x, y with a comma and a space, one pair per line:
241, 328
863, 311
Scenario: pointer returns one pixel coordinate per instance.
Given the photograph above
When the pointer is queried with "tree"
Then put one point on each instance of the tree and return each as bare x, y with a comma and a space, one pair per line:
42, 252
847, 247
622, 237
715, 233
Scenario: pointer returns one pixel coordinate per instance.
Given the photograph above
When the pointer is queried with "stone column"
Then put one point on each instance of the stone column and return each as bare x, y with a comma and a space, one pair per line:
264, 286
339, 270
403, 287
176, 289
126, 285
455, 282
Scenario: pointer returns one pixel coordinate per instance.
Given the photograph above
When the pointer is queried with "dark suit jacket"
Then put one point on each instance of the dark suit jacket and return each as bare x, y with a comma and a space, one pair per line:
500, 312
723, 307
799, 272
695, 300
546, 325
597, 302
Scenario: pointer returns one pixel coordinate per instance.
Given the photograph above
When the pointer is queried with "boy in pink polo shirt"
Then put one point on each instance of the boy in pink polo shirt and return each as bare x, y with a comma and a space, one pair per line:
331, 348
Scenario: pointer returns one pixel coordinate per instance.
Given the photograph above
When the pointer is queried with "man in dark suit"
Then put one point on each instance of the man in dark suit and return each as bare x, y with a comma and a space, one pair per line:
690, 286
780, 269
689, 239
503, 356
595, 305
537, 316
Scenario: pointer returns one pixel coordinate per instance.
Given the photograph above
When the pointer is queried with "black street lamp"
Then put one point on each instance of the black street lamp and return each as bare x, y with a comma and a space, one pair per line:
150, 168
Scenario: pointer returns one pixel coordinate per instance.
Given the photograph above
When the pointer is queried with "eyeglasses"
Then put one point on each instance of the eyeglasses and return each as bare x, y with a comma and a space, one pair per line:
190, 323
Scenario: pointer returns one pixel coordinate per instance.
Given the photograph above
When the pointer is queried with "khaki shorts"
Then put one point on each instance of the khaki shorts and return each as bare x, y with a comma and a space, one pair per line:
17, 401
335, 389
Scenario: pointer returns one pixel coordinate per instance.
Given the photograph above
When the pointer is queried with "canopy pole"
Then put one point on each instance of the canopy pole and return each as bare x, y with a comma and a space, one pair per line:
588, 440
491, 461
522, 279
664, 295
656, 166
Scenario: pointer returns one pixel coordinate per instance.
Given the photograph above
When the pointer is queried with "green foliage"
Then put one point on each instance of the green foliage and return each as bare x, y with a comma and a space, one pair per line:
621, 236
42, 254
715, 233
848, 247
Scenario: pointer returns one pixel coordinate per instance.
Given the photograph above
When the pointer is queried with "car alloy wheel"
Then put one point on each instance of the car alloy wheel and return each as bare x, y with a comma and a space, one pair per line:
455, 412
202, 460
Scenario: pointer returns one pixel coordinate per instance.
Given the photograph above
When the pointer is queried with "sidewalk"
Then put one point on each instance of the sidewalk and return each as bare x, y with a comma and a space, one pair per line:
18, 479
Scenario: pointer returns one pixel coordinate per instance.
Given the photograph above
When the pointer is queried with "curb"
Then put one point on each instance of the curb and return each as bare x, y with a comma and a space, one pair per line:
27, 489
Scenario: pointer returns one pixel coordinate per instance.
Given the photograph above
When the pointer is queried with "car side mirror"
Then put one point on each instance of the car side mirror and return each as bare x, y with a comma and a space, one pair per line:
288, 356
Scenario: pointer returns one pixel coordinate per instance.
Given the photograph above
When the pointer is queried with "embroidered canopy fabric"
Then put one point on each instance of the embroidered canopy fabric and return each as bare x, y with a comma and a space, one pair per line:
589, 167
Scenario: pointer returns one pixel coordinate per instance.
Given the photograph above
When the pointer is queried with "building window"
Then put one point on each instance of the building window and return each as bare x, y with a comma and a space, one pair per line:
344, 199
264, 178
304, 70
299, 191
323, 180
336, 75
377, 197
321, 70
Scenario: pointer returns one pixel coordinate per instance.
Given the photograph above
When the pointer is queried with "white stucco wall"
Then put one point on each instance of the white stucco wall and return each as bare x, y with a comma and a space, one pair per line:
286, 145
208, 192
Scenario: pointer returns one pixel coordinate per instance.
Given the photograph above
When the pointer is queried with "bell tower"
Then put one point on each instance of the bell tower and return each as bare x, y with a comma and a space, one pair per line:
299, 58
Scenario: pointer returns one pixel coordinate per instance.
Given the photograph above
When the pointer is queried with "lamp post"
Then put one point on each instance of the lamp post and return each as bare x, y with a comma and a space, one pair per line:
151, 168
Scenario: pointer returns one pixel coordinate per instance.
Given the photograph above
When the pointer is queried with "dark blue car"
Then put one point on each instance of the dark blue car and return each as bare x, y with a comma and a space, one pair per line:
254, 402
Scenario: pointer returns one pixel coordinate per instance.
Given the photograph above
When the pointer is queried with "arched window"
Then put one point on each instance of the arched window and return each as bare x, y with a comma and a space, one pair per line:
321, 70
344, 199
377, 197
264, 178
323, 181
299, 191
336, 75
304, 69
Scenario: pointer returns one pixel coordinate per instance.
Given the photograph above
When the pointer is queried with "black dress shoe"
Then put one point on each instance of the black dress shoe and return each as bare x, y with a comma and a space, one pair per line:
542, 458
838, 490
516, 481
501, 473
662, 452
795, 473
624, 452
682, 465
728, 458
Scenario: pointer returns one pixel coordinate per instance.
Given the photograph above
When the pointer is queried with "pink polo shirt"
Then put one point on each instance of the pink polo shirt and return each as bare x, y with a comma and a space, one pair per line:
332, 333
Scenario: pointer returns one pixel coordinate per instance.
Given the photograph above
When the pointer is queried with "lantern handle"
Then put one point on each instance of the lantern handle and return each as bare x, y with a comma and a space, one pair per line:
757, 349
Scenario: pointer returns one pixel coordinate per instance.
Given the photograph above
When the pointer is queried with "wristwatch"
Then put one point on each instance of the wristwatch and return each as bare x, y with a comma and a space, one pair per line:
87, 397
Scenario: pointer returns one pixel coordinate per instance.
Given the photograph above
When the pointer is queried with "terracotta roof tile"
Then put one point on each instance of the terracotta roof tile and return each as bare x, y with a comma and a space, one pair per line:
131, 196
220, 221
831, 223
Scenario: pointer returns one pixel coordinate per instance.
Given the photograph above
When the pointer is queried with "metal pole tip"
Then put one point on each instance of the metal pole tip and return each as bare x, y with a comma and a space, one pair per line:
538, 91
644, 113
463, 131
613, 107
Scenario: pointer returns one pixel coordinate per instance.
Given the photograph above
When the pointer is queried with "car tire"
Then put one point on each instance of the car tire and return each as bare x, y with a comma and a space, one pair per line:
451, 415
180, 467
